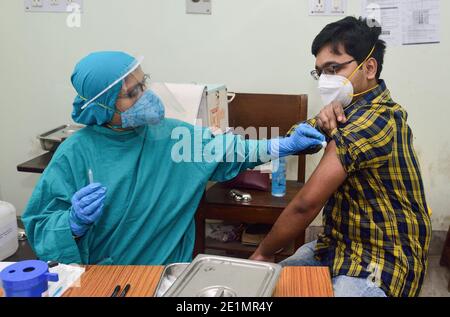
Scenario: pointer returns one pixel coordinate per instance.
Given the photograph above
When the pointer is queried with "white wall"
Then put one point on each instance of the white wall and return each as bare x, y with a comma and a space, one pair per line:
252, 46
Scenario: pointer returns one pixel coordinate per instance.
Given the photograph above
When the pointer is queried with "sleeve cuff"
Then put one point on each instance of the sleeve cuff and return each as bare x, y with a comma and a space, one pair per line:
345, 153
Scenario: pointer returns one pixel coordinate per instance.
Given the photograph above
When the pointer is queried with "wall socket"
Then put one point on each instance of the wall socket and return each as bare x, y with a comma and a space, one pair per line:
338, 6
36, 3
327, 7
199, 6
318, 6
52, 5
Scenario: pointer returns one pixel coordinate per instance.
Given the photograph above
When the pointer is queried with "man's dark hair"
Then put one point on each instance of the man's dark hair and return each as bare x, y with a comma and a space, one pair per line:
357, 38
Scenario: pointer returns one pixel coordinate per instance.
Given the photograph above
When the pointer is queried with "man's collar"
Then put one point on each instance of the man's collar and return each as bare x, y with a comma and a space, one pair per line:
369, 97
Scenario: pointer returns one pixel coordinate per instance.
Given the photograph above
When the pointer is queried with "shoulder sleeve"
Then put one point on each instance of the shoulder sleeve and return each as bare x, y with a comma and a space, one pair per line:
366, 141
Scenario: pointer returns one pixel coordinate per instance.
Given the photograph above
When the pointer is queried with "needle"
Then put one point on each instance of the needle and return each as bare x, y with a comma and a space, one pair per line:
91, 177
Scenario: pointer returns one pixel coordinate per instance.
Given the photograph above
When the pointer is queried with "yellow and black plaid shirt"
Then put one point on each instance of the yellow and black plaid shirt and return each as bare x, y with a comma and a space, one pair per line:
377, 224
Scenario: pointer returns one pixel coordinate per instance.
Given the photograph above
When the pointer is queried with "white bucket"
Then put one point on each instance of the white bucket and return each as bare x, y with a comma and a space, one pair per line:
9, 242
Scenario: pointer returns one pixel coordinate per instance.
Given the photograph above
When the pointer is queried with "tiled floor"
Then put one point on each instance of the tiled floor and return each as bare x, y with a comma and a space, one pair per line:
436, 280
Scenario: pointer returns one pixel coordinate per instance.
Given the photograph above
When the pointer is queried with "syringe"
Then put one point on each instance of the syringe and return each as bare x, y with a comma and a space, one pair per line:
91, 176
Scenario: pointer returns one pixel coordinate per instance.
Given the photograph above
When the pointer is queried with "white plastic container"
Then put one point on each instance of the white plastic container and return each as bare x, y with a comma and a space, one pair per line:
9, 242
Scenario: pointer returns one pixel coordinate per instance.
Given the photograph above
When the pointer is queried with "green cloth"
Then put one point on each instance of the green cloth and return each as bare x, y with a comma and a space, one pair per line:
151, 201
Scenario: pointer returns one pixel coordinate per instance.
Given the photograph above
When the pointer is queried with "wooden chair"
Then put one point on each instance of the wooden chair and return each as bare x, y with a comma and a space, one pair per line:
254, 110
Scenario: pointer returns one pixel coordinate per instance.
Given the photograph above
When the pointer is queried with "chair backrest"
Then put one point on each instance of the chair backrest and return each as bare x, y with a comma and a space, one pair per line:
270, 111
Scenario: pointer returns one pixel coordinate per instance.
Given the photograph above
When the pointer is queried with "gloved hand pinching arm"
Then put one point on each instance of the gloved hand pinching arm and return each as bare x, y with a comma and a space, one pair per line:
87, 208
304, 138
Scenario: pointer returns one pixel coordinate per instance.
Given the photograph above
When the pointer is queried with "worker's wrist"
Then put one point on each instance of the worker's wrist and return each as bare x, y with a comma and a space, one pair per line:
275, 148
78, 231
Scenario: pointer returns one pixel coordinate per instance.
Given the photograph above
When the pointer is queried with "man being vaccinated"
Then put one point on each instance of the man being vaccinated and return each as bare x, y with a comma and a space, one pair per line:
376, 220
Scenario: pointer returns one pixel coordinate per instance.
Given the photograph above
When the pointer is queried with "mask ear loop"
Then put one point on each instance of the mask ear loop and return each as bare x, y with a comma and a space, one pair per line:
354, 72
103, 106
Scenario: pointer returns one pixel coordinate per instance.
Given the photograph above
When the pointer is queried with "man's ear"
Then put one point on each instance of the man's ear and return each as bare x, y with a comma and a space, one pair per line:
371, 67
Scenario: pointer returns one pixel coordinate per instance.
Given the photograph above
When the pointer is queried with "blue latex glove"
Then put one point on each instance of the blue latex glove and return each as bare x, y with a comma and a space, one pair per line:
304, 138
87, 208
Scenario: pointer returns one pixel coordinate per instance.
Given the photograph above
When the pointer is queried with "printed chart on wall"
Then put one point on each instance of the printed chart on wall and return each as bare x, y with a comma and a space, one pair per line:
405, 22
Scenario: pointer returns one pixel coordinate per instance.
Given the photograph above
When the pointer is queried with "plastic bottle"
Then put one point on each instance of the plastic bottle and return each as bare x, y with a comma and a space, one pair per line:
27, 279
8, 230
279, 177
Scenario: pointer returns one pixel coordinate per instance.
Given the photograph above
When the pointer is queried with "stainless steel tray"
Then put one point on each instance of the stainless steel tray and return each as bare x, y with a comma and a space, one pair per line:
52, 139
169, 275
217, 276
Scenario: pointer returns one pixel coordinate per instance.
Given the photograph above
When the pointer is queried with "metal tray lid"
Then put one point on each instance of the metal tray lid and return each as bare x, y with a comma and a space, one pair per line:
169, 276
61, 133
217, 276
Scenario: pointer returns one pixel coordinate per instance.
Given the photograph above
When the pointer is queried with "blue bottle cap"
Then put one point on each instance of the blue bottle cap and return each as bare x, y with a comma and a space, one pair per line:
26, 274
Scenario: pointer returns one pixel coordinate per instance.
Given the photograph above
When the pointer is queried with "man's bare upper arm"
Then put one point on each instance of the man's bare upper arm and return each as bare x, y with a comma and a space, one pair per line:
322, 184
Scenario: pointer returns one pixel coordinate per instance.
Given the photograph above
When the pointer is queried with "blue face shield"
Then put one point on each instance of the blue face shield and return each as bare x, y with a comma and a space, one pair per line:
147, 110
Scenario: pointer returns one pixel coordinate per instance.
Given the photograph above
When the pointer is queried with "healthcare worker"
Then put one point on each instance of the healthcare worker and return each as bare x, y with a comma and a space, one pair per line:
140, 207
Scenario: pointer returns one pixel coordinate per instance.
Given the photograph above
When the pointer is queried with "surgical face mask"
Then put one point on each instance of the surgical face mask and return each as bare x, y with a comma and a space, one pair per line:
148, 109
339, 88
335, 88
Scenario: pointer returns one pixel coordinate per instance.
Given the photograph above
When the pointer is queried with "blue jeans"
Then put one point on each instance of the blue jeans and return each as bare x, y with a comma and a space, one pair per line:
343, 286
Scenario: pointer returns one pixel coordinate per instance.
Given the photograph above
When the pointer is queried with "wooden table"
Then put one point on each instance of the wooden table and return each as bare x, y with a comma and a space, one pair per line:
99, 281
36, 165
262, 209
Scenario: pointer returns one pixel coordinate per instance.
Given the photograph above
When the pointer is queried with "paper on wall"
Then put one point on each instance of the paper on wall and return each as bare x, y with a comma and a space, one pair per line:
421, 22
404, 22
388, 14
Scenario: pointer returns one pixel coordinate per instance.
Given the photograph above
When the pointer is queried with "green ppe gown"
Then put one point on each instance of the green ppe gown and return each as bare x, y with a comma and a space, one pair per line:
154, 186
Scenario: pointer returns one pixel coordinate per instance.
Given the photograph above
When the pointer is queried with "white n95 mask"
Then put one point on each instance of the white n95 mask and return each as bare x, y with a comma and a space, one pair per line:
335, 88
339, 88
